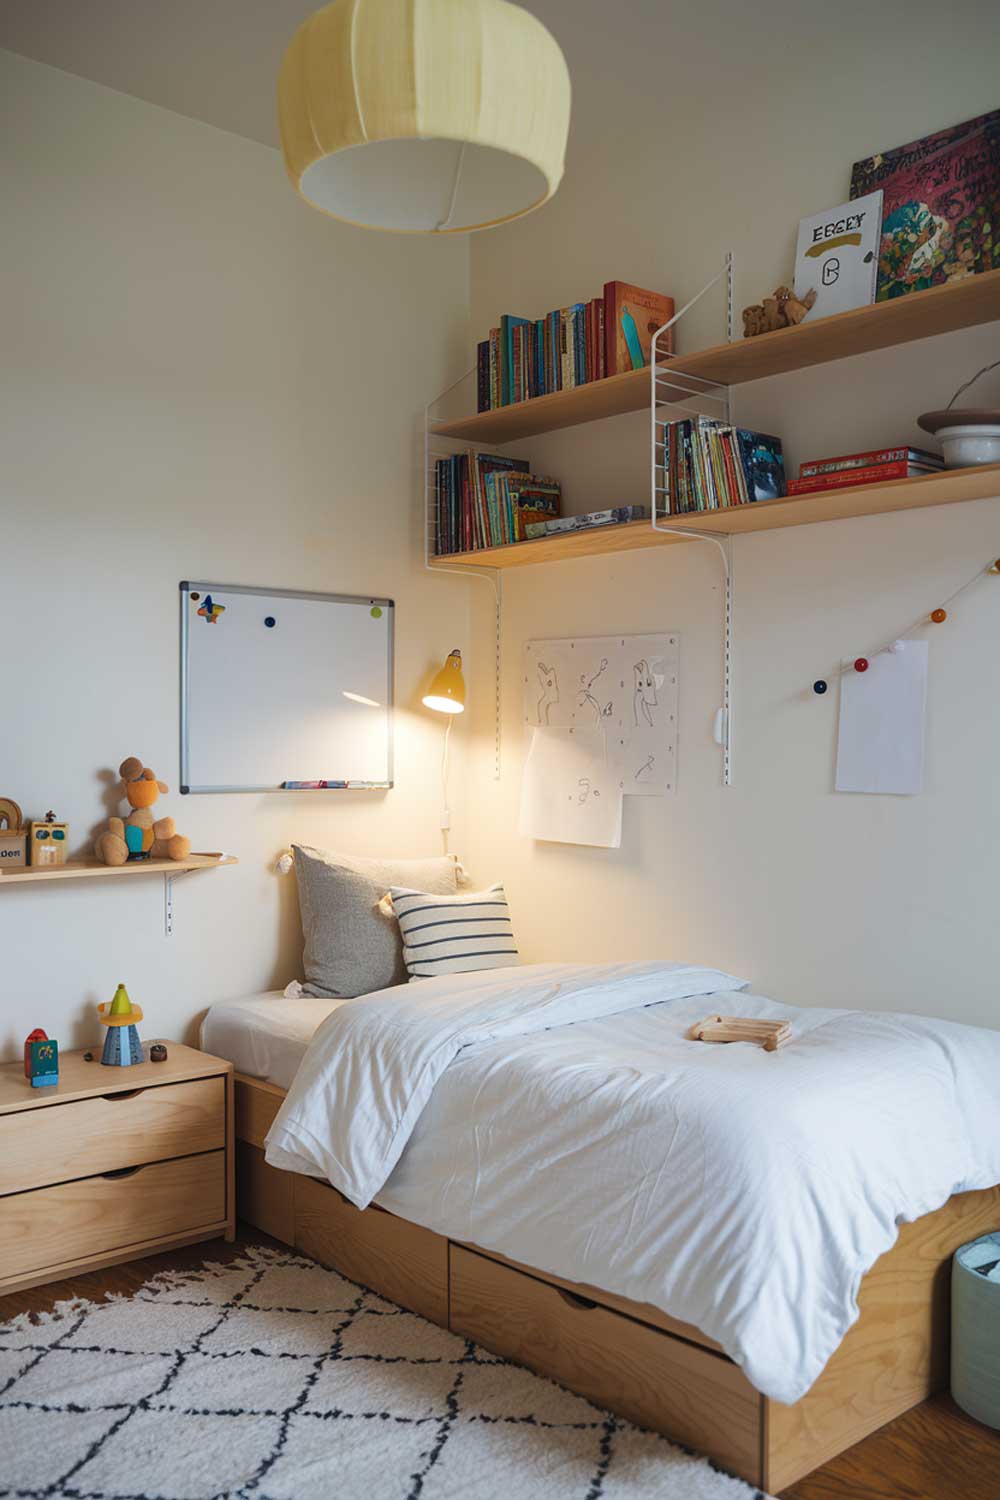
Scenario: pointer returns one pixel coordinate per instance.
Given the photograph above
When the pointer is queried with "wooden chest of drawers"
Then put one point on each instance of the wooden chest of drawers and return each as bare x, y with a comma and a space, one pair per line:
113, 1163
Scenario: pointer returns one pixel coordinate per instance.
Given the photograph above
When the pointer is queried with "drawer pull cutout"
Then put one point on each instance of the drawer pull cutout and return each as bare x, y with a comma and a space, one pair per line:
121, 1172
582, 1304
128, 1094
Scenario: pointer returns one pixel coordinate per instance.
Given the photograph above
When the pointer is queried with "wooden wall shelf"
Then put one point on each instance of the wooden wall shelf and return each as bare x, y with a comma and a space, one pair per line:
946, 488
920, 315
85, 869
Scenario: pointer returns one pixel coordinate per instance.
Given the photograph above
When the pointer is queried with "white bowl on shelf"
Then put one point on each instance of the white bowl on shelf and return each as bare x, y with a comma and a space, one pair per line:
968, 436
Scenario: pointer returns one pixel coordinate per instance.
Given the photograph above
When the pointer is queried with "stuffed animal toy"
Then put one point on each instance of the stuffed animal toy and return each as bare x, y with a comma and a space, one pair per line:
139, 833
783, 310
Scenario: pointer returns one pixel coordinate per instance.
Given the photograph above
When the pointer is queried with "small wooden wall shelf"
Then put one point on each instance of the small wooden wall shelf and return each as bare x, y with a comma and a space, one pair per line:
920, 315
946, 488
86, 869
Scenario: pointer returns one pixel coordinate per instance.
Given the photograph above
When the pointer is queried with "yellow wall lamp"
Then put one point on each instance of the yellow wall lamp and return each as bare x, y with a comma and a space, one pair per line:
446, 695
447, 692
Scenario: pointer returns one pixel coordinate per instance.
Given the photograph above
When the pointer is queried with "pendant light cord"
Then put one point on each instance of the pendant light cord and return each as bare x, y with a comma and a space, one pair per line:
454, 192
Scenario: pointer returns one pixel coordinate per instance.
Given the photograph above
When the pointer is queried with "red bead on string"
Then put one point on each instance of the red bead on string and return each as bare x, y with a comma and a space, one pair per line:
861, 664
939, 616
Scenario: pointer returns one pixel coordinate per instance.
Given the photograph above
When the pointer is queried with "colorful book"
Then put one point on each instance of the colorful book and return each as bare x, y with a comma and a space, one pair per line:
631, 317
845, 478
941, 206
837, 256
763, 464
873, 456
507, 325
483, 376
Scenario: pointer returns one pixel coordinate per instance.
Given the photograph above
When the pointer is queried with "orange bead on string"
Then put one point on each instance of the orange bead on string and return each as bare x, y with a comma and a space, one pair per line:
939, 616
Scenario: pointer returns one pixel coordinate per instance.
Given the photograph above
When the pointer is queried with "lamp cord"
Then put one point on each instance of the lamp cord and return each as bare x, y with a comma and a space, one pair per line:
446, 815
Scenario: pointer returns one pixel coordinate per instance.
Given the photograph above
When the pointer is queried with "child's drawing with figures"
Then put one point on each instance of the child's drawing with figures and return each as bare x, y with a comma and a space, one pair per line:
644, 693
548, 683
623, 687
586, 698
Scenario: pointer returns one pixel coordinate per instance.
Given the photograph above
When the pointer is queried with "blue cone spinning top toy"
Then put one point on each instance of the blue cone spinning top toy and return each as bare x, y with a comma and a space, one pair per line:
122, 1046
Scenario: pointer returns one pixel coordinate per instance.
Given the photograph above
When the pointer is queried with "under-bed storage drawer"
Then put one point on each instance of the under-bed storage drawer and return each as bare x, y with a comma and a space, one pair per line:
111, 1131
400, 1260
94, 1215
658, 1381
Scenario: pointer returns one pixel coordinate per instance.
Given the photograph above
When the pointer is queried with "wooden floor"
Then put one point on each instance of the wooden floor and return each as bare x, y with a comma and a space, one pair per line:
934, 1452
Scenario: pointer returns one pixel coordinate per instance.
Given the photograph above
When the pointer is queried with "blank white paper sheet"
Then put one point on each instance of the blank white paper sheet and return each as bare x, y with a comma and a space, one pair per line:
880, 746
570, 794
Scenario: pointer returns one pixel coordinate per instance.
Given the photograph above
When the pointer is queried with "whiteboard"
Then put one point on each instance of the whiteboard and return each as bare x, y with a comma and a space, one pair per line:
283, 686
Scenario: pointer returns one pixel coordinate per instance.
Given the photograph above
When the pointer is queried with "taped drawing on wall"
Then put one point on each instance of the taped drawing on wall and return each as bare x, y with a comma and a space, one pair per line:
570, 794
624, 686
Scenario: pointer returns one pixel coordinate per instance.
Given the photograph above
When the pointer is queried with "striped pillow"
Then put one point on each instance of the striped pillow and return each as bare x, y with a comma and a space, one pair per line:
454, 934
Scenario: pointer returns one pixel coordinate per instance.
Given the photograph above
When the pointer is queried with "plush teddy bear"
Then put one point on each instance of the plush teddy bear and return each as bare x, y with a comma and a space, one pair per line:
159, 839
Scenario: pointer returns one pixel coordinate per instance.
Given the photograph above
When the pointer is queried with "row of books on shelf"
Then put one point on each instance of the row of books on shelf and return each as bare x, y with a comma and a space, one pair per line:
485, 500
570, 346
869, 467
711, 465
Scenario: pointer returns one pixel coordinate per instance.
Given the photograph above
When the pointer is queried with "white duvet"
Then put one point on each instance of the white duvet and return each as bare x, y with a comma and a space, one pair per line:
557, 1113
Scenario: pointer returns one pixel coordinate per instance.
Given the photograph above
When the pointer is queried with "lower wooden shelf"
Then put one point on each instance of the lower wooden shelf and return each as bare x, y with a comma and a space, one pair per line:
79, 869
946, 488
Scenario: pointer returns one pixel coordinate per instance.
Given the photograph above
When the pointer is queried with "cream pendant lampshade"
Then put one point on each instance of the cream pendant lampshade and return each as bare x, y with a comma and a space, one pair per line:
427, 116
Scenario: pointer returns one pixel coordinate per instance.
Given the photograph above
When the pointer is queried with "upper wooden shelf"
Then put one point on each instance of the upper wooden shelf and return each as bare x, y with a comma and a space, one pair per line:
763, 515
82, 869
920, 315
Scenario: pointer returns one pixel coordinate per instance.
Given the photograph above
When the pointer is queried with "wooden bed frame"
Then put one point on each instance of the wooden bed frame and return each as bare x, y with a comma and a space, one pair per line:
627, 1356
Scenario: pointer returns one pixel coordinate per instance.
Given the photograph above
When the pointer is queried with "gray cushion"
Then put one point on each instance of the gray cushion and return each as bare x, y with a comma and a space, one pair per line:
350, 947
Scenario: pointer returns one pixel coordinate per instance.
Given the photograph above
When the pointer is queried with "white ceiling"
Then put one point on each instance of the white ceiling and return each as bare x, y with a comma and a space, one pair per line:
215, 60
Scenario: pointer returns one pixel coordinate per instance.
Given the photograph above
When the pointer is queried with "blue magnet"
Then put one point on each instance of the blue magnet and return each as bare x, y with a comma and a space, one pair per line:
819, 686
270, 621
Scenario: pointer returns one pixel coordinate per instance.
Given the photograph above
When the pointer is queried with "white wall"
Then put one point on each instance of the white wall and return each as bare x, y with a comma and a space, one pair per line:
199, 377
698, 127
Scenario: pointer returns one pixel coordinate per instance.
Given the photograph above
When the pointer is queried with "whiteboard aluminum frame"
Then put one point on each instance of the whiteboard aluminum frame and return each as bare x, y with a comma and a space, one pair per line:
185, 587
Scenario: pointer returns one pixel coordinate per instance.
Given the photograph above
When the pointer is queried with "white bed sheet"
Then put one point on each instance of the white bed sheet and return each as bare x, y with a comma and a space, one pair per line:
557, 1114
266, 1035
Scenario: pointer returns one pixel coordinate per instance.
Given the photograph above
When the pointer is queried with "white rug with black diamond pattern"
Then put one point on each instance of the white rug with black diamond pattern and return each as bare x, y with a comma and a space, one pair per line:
270, 1378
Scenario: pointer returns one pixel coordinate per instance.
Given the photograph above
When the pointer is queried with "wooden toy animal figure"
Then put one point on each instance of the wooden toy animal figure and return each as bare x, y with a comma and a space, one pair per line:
138, 836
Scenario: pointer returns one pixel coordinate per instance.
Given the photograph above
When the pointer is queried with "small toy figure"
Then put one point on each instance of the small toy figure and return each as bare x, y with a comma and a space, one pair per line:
41, 1060
122, 1046
47, 841
157, 1052
13, 838
138, 836
783, 310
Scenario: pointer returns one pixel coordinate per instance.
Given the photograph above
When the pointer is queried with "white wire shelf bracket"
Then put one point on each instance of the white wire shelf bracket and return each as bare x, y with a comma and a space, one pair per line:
676, 391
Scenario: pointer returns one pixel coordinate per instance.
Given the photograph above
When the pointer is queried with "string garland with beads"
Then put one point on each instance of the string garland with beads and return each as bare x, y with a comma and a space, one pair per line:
937, 616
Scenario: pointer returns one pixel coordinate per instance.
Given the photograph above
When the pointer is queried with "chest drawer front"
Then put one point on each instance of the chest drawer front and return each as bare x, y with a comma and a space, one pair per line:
104, 1134
72, 1220
661, 1382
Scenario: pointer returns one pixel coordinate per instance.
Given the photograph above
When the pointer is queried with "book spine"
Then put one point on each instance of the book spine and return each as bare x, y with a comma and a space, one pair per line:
540, 386
566, 349
579, 345
589, 372
865, 460
494, 368
602, 364
849, 477
517, 389
609, 327
483, 376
